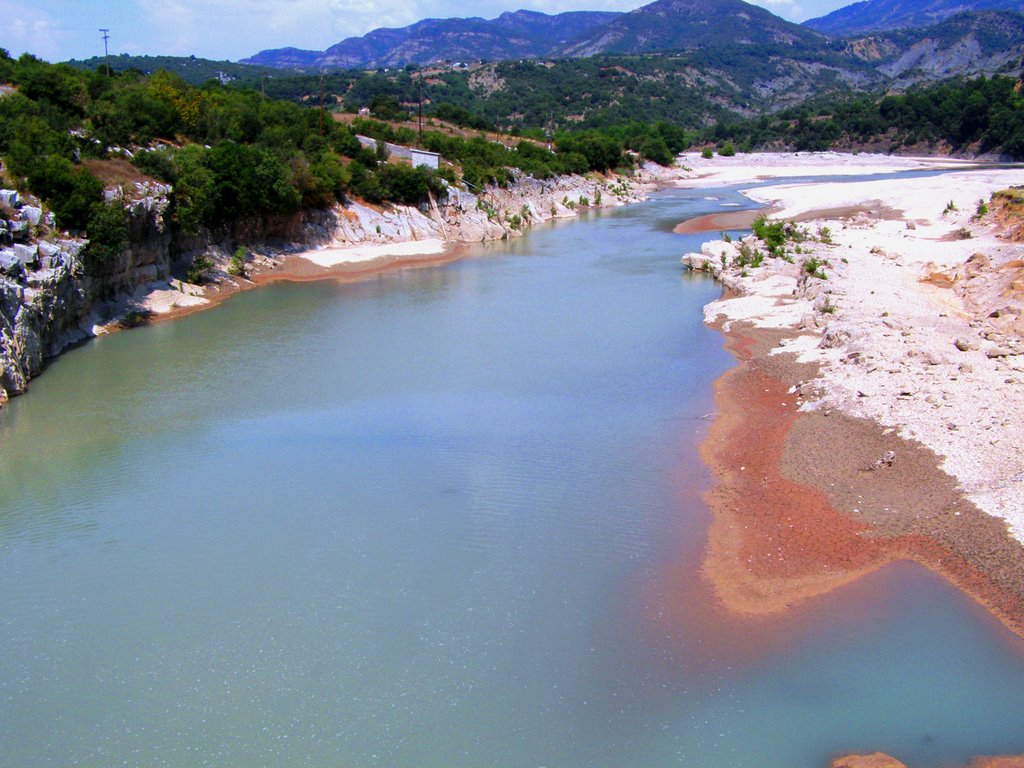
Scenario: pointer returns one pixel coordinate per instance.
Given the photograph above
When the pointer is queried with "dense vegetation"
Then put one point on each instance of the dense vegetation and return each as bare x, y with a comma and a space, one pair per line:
690, 89
192, 69
232, 154
980, 115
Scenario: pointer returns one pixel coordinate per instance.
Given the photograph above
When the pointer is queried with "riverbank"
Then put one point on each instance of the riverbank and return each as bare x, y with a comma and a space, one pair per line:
47, 307
367, 240
873, 414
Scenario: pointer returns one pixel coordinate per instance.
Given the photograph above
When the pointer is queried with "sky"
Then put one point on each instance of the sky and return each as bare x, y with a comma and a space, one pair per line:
57, 30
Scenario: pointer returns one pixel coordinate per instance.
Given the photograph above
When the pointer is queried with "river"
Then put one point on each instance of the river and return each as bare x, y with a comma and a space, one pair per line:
440, 517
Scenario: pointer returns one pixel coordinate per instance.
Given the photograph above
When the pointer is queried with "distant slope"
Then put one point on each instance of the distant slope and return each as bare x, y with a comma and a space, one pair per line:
876, 15
682, 25
968, 44
514, 35
192, 70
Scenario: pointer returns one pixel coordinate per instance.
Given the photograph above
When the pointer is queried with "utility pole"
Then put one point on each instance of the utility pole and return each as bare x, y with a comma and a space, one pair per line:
321, 102
106, 51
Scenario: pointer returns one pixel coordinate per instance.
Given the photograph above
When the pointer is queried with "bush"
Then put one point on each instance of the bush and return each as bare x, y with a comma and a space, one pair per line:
108, 236
656, 150
727, 150
236, 267
706, 153
70, 192
197, 272
773, 234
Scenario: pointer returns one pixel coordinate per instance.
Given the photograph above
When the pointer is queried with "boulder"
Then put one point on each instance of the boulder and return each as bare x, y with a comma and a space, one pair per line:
27, 254
874, 760
9, 197
19, 230
964, 344
1001, 352
9, 263
48, 249
32, 215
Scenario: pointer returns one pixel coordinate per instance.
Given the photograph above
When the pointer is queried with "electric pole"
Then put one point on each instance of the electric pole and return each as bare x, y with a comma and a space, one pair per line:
106, 51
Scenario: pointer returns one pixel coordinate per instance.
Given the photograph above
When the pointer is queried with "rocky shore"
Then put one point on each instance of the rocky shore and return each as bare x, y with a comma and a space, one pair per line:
873, 414
48, 300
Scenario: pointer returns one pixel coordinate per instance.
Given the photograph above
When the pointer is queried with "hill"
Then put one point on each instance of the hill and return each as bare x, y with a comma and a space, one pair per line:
191, 69
875, 15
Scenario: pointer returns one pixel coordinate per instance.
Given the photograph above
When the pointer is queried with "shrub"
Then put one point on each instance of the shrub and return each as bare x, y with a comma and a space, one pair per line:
108, 236
772, 234
236, 267
706, 153
656, 150
727, 150
197, 272
70, 192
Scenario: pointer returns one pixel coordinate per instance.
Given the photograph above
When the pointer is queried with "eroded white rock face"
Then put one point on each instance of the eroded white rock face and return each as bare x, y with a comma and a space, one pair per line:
48, 301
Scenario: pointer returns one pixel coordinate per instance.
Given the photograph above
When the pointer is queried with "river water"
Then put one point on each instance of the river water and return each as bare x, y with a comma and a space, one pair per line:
429, 519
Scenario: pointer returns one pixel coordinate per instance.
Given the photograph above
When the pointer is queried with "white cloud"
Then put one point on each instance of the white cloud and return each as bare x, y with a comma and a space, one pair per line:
31, 29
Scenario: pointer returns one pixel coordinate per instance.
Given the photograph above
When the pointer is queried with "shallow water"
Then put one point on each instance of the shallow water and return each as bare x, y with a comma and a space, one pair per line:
416, 521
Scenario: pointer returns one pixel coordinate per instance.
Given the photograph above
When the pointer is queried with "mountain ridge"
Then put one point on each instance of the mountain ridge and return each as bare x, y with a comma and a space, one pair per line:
662, 25
512, 35
887, 15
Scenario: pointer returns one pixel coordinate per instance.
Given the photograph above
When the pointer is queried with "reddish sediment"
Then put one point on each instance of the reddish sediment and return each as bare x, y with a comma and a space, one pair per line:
882, 760
799, 508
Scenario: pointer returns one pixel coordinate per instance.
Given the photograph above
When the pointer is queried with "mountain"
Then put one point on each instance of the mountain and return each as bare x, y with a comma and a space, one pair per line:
680, 25
513, 35
968, 44
875, 15
664, 25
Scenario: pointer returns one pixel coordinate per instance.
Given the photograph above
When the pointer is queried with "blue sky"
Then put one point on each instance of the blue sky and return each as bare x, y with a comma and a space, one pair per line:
57, 30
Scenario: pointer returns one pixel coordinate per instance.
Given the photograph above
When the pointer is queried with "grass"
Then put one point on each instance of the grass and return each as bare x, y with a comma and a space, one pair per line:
116, 172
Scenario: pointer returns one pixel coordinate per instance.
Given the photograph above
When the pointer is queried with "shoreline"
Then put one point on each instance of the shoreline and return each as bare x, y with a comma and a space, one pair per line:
820, 476
787, 527
368, 242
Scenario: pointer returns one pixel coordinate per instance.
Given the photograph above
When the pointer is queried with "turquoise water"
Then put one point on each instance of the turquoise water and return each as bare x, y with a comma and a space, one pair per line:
416, 521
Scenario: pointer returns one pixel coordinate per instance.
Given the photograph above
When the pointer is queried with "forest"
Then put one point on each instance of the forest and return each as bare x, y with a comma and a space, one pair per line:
983, 115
